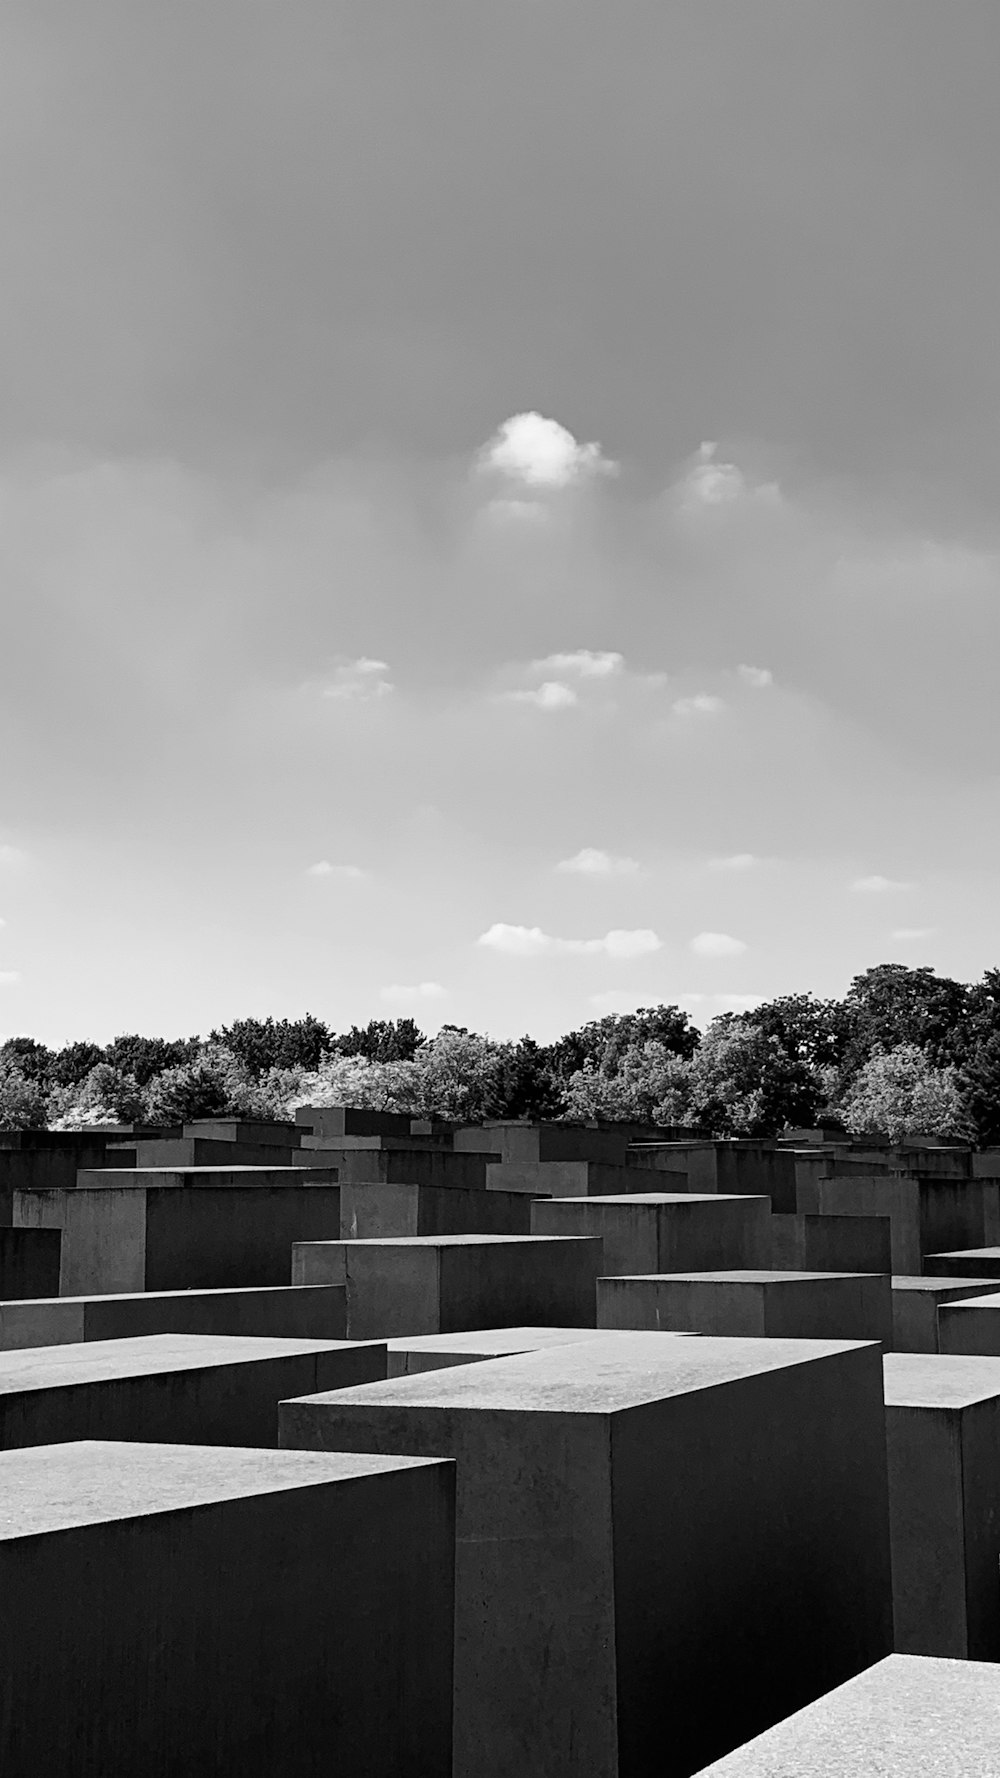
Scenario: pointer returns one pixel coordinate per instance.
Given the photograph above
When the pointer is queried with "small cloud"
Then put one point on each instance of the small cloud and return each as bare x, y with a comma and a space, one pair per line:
399, 994
701, 705
716, 944
517, 512
910, 934
541, 453
325, 869
710, 483
588, 663
7, 976
877, 885
758, 677
716, 1003
737, 861
550, 695
590, 862
531, 941
361, 681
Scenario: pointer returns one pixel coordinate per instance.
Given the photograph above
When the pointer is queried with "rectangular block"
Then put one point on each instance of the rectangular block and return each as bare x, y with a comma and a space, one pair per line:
249, 1132
348, 1120
405, 1166
926, 1215
174, 1609
448, 1283
915, 1307
29, 1262
771, 1305
618, 1502
830, 1244
973, 1262
943, 1438
519, 1144
731, 1167
309, 1312
664, 1231
970, 1322
373, 1209
572, 1179
906, 1717
210, 1151
432, 1352
176, 1388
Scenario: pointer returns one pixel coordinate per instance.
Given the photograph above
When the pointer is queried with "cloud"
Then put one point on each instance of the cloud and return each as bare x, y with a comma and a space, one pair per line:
7, 976
716, 944
541, 453
758, 677
703, 704
12, 856
587, 662
591, 862
531, 941
737, 861
877, 885
550, 695
906, 934
397, 993
325, 869
362, 680
709, 483
721, 1002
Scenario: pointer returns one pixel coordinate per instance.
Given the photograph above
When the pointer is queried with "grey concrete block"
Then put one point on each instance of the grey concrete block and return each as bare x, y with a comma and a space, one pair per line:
973, 1262
915, 1306
664, 1231
394, 1165
729, 1167
760, 1304
518, 1143
310, 1312
907, 1717
179, 1609
567, 1179
830, 1244
372, 1209
348, 1120
210, 1151
29, 1262
249, 1132
970, 1322
943, 1438
448, 1283
169, 1388
432, 1352
619, 1503
926, 1215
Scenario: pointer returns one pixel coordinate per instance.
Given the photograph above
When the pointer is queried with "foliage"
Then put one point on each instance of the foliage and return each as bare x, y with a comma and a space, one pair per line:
744, 1083
604, 1041
22, 1100
32, 1059
651, 1084
899, 1092
104, 1096
891, 1006
72, 1064
145, 1057
816, 1032
261, 1045
382, 1040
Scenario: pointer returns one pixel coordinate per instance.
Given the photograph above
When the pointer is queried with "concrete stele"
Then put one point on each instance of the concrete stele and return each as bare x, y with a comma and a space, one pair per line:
915, 1306
757, 1304
663, 1231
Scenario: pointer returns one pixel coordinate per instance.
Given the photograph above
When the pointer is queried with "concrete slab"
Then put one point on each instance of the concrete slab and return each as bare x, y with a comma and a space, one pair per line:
432, 1352
568, 1179
208, 1151
943, 1438
962, 1331
373, 1209
447, 1283
759, 1304
519, 1144
730, 1167
915, 1305
29, 1262
396, 1165
176, 1388
663, 1231
618, 1502
927, 1215
310, 1312
830, 1243
907, 1717
970, 1262
168, 1609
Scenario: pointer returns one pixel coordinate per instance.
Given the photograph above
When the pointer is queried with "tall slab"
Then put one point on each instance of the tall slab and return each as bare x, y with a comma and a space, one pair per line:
916, 1303
663, 1231
309, 1312
375, 1208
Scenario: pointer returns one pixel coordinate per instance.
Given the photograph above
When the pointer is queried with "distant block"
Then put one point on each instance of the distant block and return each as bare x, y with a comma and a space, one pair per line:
403, 1166
970, 1322
943, 1437
759, 1304
374, 1209
210, 1151
830, 1244
619, 1501
448, 1283
973, 1262
272, 1134
663, 1231
916, 1303
432, 1352
309, 1312
907, 1717
349, 1120
927, 1215
176, 1388
180, 1609
728, 1167
518, 1143
29, 1262
567, 1179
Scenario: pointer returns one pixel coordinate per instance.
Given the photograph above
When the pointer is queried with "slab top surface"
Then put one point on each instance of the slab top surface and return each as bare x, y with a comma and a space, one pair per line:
511, 1340
910, 1716
666, 1198
134, 1178
989, 1300
990, 1253
939, 1380
100, 1361
420, 1241
598, 1376
167, 1296
934, 1284
738, 1277
54, 1487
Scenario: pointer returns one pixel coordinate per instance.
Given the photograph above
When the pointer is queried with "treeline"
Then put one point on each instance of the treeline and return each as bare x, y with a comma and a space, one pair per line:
904, 1052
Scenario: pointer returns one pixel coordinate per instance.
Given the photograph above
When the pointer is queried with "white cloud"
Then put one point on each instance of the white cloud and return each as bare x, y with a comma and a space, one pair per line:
716, 1003
588, 663
325, 869
542, 453
9, 975
550, 695
531, 941
361, 680
877, 885
737, 861
906, 934
703, 704
710, 483
397, 993
716, 944
591, 862
758, 677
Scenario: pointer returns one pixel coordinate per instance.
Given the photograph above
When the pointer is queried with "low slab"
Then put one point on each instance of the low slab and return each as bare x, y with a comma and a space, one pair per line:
432, 1352
971, 1324
311, 1312
970, 1262
663, 1231
774, 1305
916, 1303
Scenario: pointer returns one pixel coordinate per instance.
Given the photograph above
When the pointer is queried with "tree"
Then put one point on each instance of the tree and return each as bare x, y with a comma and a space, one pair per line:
22, 1100
524, 1084
899, 1092
263, 1044
744, 1083
891, 1006
813, 1031
104, 1096
145, 1057
34, 1060
650, 1084
73, 1063
207, 1086
382, 1040
604, 1041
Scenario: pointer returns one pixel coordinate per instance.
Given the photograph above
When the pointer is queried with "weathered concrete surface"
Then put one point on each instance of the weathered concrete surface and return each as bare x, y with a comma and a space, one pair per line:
943, 1438
174, 1609
759, 1304
29, 1262
926, 1215
915, 1305
567, 1179
395, 1165
973, 1262
524, 1144
970, 1322
907, 1717
619, 1502
448, 1283
254, 1133
663, 1231
347, 1120
311, 1312
176, 1388
371, 1209
830, 1244
210, 1151
432, 1352
731, 1167
182, 1229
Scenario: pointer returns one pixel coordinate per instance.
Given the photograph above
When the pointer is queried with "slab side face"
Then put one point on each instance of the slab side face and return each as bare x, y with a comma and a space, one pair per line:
926, 1518
512, 1284
233, 1236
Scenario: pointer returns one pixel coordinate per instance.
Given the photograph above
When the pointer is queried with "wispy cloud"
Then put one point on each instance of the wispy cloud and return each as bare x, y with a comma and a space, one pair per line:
710, 483
877, 885
399, 994
552, 694
702, 704
531, 941
361, 680
716, 944
541, 453
587, 663
737, 861
758, 677
591, 862
324, 868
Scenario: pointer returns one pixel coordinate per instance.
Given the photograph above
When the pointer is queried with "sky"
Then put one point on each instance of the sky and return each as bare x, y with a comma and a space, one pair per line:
498, 507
